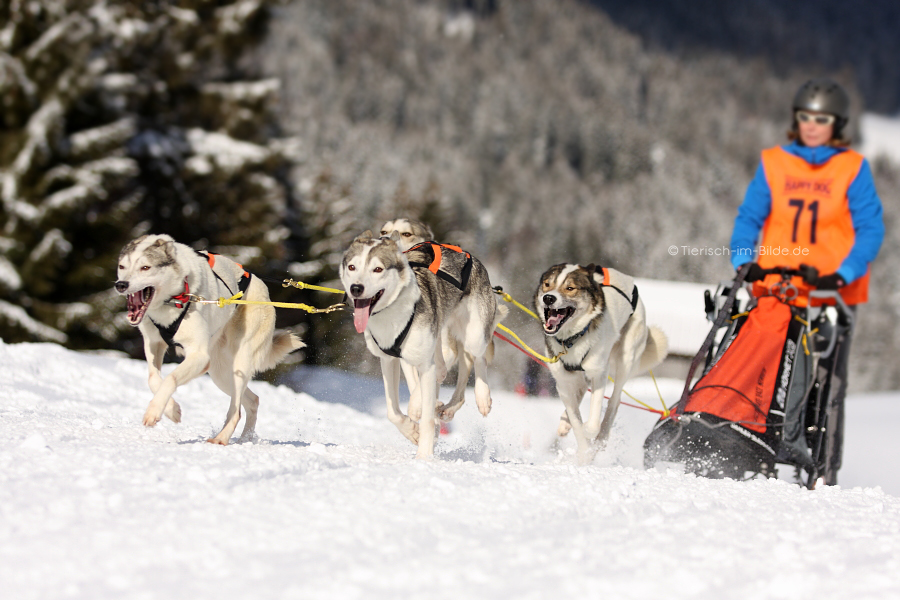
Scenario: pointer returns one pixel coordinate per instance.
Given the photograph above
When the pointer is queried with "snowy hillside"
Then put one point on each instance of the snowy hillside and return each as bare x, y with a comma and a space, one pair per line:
329, 503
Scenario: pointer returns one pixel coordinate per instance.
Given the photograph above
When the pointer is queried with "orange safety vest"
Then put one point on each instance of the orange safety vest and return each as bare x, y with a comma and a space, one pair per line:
810, 222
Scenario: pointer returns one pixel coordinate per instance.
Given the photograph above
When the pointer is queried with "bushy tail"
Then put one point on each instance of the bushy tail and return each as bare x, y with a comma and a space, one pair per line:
656, 350
283, 343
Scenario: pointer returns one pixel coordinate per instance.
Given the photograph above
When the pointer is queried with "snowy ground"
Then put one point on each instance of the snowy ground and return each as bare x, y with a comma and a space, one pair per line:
329, 503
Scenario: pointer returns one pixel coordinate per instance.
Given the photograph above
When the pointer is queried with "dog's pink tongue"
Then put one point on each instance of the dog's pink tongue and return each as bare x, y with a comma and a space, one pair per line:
361, 314
553, 320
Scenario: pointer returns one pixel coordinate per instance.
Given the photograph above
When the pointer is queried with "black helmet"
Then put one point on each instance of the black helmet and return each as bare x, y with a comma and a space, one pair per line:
823, 95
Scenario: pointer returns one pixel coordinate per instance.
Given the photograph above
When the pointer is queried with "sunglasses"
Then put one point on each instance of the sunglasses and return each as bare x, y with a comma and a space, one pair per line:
805, 117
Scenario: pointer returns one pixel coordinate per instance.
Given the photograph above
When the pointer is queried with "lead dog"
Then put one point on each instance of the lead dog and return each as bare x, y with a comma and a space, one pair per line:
160, 278
404, 312
595, 323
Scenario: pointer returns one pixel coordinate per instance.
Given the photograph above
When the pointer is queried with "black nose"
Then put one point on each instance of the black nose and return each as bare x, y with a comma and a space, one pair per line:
357, 290
549, 299
121, 286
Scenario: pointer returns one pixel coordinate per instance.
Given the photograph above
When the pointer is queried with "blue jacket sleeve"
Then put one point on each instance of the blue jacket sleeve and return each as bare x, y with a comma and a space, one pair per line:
868, 223
751, 216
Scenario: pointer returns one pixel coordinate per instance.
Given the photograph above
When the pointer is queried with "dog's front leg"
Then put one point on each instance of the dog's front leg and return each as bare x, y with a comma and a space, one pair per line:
154, 351
446, 412
194, 365
414, 410
570, 392
428, 384
611, 408
598, 386
390, 372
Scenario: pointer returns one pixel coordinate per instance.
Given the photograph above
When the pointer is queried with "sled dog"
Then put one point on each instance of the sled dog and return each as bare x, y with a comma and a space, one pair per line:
159, 278
594, 321
412, 232
405, 303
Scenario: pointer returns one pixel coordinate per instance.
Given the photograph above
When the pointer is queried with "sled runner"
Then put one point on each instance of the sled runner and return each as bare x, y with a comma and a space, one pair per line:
767, 392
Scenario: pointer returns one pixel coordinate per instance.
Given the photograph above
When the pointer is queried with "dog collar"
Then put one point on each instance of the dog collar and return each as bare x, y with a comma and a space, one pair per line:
181, 299
569, 342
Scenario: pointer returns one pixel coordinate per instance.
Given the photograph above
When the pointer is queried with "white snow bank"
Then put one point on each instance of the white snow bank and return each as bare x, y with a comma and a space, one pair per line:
880, 136
329, 503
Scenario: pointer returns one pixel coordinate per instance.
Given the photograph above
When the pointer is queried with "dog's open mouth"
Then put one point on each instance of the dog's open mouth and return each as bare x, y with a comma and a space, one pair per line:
555, 317
138, 303
362, 308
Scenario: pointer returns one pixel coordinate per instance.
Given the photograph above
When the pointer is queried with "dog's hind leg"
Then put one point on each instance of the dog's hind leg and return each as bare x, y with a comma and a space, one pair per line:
241, 378
390, 372
250, 402
446, 412
482, 390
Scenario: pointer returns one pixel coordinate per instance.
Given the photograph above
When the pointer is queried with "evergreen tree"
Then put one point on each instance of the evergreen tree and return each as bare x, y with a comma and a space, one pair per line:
123, 117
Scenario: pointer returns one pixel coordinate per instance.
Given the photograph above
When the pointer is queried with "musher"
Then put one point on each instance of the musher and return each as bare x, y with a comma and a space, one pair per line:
813, 201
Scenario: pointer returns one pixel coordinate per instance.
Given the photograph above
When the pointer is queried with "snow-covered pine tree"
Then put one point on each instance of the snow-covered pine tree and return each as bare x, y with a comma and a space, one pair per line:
122, 117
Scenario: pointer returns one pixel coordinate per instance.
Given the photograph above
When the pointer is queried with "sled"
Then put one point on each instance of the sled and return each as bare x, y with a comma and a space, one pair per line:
766, 395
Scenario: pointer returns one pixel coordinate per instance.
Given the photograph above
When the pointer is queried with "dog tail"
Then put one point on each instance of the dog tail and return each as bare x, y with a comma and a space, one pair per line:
283, 343
656, 349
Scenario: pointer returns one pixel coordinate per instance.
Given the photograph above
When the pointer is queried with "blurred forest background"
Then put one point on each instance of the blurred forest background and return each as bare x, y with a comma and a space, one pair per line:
531, 132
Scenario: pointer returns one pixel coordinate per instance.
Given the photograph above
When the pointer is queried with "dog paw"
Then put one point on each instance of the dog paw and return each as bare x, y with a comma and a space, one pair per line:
446, 412
173, 411
248, 438
565, 426
415, 412
483, 398
151, 418
217, 441
410, 430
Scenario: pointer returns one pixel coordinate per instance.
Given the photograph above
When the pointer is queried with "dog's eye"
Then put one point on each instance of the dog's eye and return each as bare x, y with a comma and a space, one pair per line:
378, 269
145, 268
121, 266
570, 289
407, 235
351, 267
384, 232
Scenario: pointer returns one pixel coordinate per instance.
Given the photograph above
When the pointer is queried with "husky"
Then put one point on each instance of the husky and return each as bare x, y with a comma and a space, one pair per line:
412, 232
595, 323
161, 279
405, 303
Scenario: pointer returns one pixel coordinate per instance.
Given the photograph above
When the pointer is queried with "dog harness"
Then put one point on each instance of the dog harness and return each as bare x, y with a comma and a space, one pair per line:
436, 250
184, 299
570, 341
395, 349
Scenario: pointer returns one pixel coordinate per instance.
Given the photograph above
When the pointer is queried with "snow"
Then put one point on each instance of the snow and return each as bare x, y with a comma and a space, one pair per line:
880, 136
329, 502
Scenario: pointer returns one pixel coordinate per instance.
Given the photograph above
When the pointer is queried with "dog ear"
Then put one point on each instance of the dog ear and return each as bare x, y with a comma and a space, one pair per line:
364, 236
395, 236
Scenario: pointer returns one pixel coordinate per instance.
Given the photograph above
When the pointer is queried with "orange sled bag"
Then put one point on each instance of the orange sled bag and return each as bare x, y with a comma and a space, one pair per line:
736, 408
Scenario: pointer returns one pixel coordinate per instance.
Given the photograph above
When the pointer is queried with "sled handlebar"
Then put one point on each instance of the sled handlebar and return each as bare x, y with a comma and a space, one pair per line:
808, 273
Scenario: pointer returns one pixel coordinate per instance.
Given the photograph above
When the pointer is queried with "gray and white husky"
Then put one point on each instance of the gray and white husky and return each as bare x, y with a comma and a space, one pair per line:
411, 232
406, 303
159, 278
595, 323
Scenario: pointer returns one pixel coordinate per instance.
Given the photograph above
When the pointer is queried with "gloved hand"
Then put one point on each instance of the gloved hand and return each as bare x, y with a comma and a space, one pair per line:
755, 273
832, 281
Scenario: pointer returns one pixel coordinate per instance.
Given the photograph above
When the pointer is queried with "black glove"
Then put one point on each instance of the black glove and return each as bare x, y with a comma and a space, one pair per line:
755, 273
832, 281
